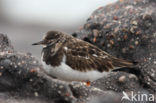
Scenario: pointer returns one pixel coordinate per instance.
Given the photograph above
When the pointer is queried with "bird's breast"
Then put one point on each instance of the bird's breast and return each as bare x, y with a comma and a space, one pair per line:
51, 58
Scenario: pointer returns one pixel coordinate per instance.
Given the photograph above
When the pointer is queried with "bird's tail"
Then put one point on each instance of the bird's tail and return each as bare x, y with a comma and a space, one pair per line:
125, 66
120, 63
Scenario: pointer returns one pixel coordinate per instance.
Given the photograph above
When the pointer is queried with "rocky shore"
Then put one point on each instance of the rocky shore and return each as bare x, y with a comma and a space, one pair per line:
125, 29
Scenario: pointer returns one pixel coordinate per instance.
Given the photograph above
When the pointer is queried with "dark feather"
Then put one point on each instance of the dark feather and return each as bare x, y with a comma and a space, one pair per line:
83, 56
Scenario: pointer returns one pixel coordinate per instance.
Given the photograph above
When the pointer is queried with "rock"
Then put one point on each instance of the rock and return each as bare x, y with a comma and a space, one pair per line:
118, 82
5, 46
126, 29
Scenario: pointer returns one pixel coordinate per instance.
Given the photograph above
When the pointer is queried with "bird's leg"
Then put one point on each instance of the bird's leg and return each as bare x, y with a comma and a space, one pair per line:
88, 83
94, 39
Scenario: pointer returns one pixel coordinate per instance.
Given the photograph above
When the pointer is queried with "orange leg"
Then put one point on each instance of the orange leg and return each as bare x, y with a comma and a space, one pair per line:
94, 39
88, 83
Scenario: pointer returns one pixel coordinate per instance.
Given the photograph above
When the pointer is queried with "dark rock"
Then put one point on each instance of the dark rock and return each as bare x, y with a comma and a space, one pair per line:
85, 94
5, 46
118, 82
126, 29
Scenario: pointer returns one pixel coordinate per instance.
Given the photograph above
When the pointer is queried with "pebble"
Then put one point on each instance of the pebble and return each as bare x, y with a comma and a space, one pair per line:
111, 42
59, 91
108, 45
153, 74
19, 64
136, 42
36, 94
30, 80
131, 76
131, 47
132, 30
115, 18
34, 62
0, 74
134, 23
1, 67
125, 37
122, 79
138, 32
61, 86
124, 50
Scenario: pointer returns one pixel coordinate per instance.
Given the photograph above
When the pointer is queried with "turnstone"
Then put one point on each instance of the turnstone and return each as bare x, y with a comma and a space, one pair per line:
71, 59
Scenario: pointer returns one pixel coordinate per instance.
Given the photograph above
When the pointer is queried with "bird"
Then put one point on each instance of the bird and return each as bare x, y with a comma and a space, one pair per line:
71, 59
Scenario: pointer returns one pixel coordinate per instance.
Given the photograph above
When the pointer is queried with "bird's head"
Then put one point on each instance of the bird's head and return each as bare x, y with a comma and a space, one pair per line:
51, 38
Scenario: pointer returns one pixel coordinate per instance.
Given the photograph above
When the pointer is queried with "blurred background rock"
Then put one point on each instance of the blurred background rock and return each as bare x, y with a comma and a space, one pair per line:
25, 21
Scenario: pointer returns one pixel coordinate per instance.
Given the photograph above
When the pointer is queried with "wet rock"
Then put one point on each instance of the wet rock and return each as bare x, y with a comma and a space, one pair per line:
118, 82
127, 30
85, 94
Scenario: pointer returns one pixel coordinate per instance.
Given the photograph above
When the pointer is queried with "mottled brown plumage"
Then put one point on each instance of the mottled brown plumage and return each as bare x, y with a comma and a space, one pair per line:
80, 55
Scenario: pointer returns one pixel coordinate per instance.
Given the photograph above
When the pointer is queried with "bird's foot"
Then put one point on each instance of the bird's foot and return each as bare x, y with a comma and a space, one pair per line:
88, 83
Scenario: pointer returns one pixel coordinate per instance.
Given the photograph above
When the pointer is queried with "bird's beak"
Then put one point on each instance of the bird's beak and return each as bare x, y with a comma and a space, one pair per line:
39, 43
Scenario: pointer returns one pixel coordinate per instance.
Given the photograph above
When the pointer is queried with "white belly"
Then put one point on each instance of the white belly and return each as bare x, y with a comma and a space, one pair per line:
64, 72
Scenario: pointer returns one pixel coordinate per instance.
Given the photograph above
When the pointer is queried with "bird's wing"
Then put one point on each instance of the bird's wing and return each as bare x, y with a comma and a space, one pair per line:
83, 56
